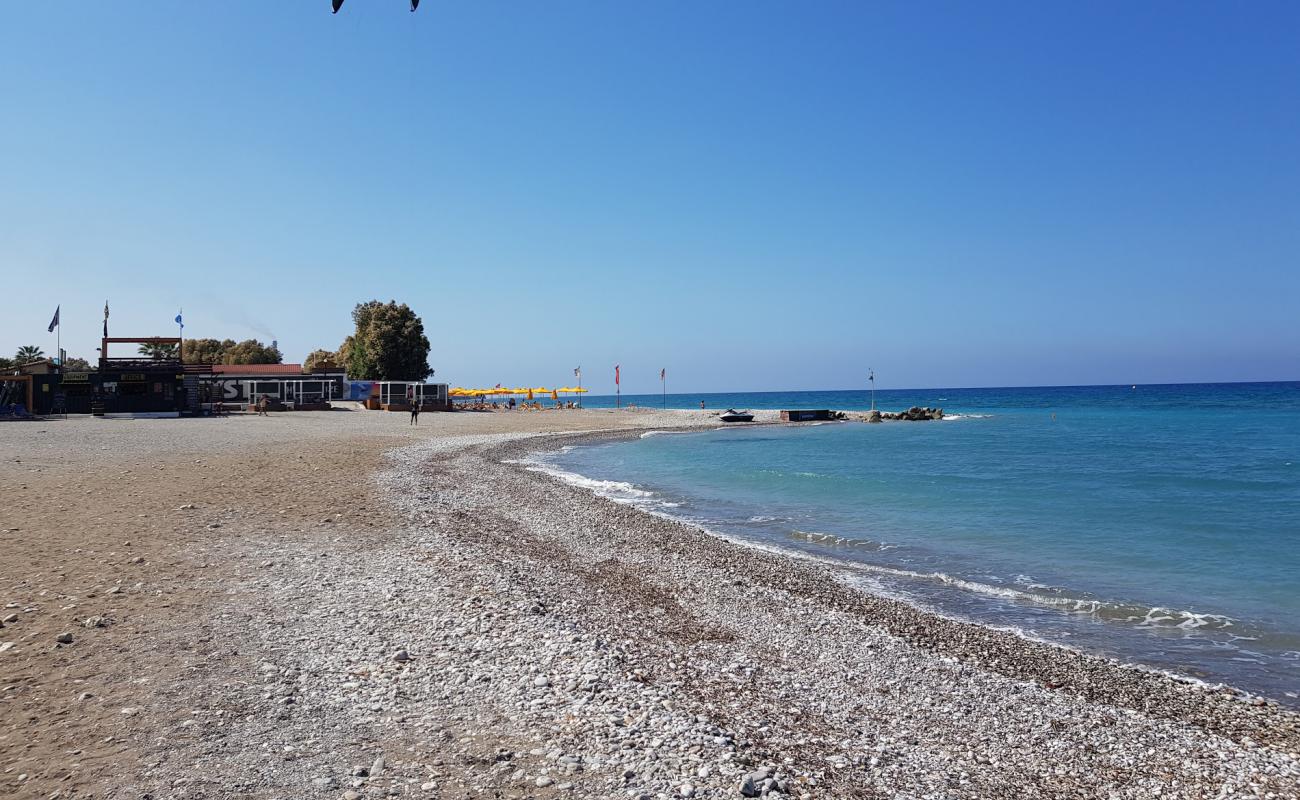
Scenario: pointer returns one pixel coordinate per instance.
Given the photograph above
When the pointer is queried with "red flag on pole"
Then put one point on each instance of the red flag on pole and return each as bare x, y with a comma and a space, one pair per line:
616, 374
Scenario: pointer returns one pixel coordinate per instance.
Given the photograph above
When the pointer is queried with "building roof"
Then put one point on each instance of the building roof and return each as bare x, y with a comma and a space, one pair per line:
257, 369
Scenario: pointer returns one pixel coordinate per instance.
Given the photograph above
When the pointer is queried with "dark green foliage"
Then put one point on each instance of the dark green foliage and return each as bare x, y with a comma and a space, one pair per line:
227, 351
318, 357
388, 345
28, 352
158, 352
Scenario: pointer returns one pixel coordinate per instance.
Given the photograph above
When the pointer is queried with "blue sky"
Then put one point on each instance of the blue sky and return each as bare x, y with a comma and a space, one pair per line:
755, 195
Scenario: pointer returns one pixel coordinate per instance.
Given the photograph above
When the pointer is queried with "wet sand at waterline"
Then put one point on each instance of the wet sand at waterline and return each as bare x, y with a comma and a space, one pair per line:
331, 604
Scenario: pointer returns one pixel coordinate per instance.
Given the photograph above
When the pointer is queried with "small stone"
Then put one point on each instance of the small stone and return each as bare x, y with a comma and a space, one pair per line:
10, 618
95, 622
377, 768
322, 783
360, 771
64, 638
130, 711
138, 560
541, 681
686, 790
428, 786
352, 794
115, 590
401, 656
543, 781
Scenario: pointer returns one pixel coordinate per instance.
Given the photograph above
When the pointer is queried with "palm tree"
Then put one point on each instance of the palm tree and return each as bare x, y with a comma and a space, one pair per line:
28, 352
159, 352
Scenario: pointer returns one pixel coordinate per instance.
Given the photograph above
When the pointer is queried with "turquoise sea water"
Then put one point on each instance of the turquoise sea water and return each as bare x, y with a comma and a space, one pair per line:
1157, 524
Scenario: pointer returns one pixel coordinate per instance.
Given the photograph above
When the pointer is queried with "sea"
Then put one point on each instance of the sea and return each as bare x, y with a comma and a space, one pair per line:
1158, 525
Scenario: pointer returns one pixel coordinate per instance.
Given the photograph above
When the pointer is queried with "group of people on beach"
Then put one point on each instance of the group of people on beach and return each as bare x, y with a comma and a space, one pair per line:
512, 405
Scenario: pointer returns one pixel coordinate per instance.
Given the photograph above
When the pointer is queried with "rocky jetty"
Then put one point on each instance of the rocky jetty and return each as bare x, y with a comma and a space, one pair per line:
913, 414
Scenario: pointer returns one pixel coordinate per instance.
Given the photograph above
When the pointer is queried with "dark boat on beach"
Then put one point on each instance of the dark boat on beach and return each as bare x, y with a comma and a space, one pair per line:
732, 415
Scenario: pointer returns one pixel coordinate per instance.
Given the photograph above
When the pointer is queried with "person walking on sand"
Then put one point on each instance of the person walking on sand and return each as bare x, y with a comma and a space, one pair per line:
415, 412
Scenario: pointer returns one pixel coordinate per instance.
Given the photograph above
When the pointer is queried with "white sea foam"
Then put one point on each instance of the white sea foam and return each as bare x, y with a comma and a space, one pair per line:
648, 434
621, 491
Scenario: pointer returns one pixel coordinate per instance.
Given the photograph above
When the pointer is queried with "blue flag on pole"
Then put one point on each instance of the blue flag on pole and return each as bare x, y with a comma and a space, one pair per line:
178, 321
54, 323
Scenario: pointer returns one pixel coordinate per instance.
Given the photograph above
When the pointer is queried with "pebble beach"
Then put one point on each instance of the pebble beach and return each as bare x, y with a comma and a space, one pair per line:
338, 605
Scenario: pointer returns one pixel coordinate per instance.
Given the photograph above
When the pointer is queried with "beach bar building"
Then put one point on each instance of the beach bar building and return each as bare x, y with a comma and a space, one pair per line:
134, 385
286, 386
402, 395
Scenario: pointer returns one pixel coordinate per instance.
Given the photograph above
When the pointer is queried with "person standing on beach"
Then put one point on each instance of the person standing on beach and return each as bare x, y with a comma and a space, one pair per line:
701, 405
415, 412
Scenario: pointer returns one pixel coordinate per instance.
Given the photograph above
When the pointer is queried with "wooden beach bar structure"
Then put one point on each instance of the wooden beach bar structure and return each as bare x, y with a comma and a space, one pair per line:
134, 385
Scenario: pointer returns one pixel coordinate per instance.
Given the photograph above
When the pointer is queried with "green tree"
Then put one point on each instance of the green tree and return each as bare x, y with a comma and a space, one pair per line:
158, 352
251, 351
317, 358
28, 352
388, 344
6, 364
206, 351
74, 364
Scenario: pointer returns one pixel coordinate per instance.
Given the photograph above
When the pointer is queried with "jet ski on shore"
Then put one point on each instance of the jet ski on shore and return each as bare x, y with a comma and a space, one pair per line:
732, 415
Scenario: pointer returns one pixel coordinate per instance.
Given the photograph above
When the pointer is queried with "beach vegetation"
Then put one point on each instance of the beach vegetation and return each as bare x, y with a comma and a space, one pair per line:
158, 352
316, 358
228, 351
28, 352
251, 351
75, 364
388, 344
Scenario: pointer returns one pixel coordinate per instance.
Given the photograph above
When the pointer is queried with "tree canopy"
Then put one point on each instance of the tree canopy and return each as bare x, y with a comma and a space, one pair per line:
388, 344
227, 351
158, 352
28, 352
318, 357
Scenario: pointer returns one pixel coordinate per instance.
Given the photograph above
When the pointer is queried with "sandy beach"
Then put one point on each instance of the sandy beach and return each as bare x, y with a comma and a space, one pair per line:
338, 605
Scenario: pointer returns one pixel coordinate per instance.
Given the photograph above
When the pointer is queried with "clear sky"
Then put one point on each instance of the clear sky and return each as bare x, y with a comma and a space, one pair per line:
755, 195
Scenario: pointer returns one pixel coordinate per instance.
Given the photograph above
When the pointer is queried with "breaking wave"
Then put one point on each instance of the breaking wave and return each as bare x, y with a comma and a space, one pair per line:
1140, 616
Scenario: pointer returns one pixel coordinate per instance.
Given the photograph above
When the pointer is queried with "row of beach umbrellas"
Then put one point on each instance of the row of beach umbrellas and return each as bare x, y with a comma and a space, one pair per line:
501, 391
